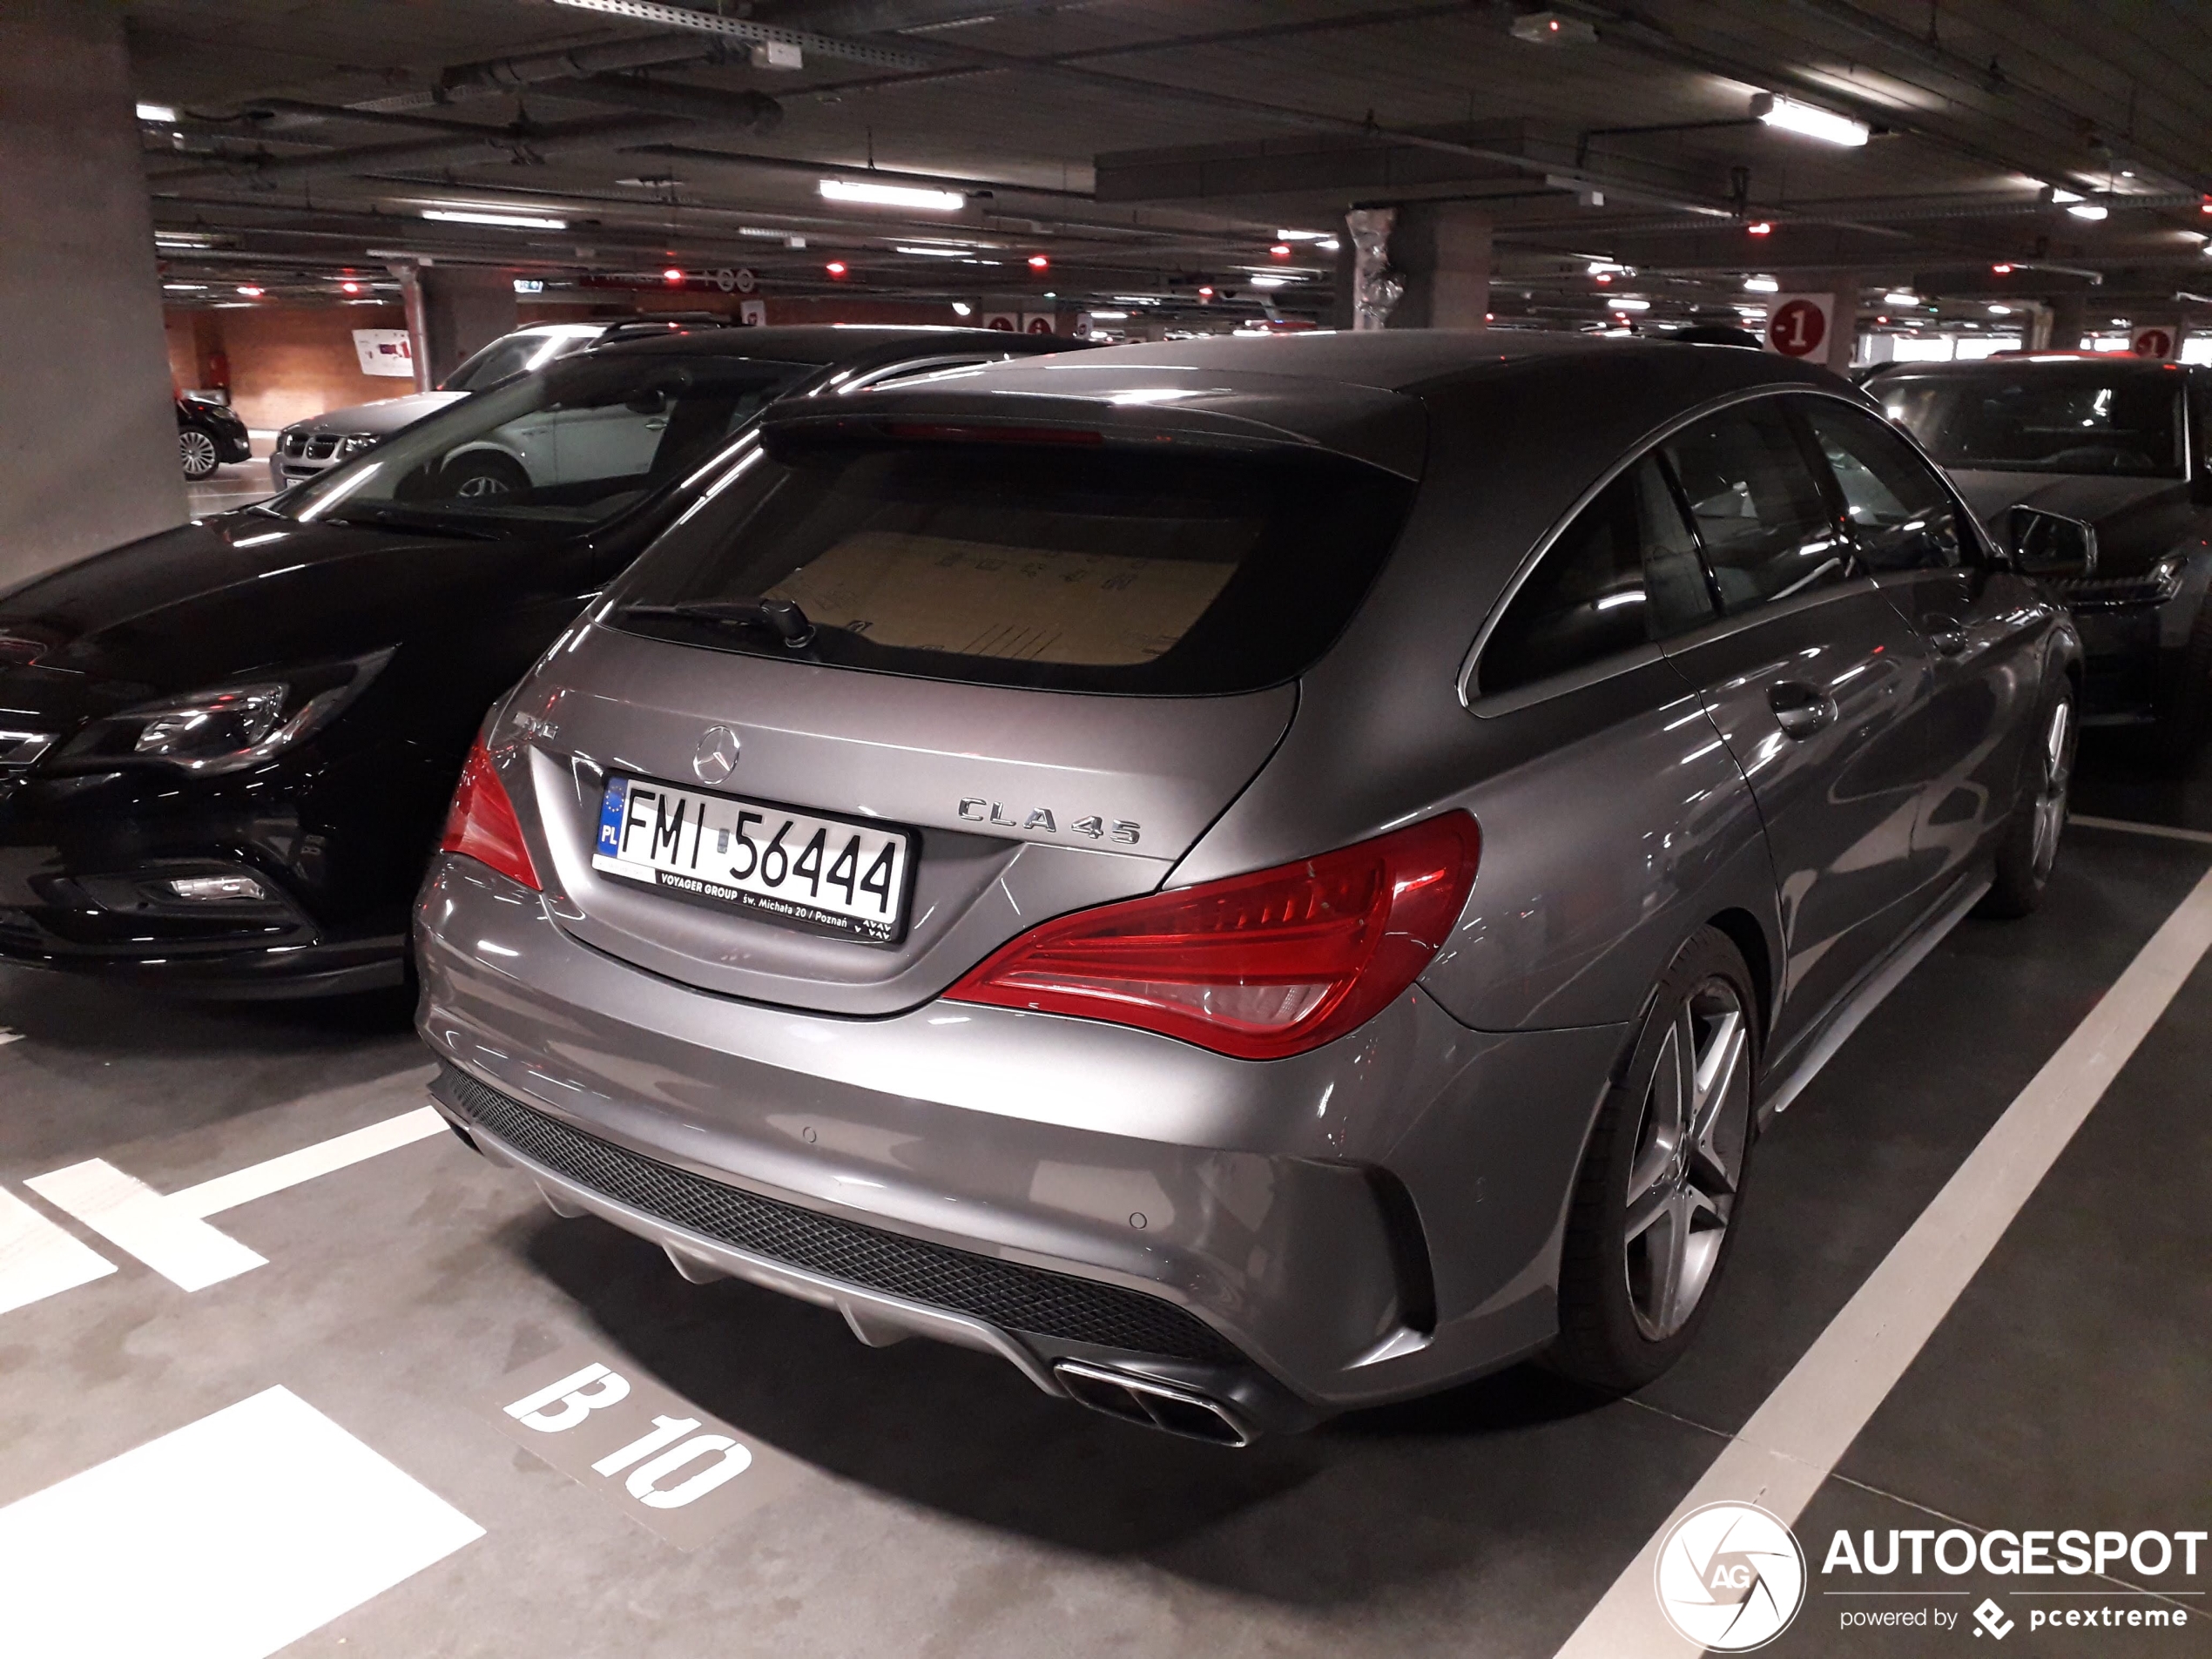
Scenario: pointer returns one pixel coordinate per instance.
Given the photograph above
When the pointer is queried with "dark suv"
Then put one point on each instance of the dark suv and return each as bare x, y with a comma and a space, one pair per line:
2122, 449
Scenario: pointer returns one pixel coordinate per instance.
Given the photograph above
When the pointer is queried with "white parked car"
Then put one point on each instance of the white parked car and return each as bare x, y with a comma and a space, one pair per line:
306, 448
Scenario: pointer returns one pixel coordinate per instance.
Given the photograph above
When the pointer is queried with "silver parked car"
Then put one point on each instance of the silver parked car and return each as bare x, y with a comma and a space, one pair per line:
1249, 877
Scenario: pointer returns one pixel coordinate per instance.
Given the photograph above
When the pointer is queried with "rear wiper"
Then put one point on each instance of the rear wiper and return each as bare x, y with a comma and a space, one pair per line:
782, 617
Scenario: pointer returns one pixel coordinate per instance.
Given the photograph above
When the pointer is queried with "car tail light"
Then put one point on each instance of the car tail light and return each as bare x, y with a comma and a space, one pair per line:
1256, 966
482, 824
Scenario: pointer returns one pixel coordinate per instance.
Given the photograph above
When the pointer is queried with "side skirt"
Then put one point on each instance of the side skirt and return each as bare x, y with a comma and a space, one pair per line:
1820, 1047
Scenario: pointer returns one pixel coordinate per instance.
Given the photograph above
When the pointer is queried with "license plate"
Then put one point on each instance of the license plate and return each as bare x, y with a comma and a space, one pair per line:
823, 873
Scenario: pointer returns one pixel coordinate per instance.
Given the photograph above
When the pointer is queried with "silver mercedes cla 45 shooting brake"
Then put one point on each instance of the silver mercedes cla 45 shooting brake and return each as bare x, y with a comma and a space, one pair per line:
1252, 877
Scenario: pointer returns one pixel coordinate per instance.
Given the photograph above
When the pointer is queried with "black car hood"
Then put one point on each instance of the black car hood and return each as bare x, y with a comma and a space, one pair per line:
218, 599
2137, 520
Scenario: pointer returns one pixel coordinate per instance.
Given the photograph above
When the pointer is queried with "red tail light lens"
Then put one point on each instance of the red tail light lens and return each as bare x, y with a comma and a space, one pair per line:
1256, 966
482, 824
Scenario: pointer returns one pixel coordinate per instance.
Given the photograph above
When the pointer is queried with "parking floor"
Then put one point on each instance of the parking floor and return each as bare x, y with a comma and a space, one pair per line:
349, 1421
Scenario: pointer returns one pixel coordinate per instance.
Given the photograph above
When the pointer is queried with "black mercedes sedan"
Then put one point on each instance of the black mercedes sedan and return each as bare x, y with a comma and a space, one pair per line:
2119, 451
227, 750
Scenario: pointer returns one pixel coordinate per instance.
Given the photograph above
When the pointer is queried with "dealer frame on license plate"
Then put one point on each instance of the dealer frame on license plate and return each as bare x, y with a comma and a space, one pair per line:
833, 875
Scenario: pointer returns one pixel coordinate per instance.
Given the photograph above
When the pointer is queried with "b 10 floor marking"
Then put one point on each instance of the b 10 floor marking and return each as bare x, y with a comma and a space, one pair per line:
598, 1418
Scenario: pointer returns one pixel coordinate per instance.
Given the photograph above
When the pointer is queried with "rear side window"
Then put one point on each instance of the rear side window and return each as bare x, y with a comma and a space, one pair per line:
1901, 515
1759, 513
1623, 574
1060, 565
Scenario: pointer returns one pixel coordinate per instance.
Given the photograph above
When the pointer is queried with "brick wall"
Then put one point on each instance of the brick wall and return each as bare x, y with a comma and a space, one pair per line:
285, 362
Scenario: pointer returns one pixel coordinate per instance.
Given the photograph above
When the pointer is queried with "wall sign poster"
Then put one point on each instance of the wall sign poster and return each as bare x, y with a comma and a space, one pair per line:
1040, 322
752, 314
2153, 342
1006, 322
1797, 326
385, 351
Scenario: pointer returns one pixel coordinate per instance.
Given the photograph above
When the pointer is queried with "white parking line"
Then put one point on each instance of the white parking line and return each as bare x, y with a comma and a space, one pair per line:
274, 1175
39, 1259
1786, 1452
227, 1538
132, 1215
2133, 826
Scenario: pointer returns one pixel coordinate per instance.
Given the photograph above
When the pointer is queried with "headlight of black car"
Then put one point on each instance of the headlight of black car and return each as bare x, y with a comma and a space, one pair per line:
353, 443
225, 728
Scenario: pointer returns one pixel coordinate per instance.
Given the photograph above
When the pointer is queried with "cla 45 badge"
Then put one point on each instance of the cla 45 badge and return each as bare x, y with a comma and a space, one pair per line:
977, 810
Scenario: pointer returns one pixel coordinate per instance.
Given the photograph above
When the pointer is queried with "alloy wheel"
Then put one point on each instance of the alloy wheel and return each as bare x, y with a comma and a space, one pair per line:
2051, 798
1689, 1161
198, 452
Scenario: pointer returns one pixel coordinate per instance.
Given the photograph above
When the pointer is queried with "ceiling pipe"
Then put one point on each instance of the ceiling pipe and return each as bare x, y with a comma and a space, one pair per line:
519, 143
747, 111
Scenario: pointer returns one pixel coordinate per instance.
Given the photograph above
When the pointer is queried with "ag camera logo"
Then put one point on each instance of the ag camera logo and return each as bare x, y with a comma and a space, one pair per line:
1729, 1577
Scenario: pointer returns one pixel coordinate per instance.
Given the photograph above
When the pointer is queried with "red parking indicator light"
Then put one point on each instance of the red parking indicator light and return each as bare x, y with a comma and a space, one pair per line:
671, 275
1038, 262
1205, 294
837, 268
349, 287
1760, 228
1281, 250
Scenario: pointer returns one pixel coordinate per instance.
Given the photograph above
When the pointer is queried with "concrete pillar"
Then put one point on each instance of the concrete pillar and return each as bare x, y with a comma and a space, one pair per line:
2066, 319
451, 310
88, 443
1443, 248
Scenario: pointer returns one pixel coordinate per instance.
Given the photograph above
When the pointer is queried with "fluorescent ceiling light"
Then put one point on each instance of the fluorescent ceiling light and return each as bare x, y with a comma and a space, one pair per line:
2062, 197
183, 239
1301, 236
1829, 127
931, 253
1607, 267
852, 190
1109, 316
961, 308
2000, 311
1269, 281
1900, 298
1762, 284
186, 287
511, 221
1632, 305
2088, 210
165, 114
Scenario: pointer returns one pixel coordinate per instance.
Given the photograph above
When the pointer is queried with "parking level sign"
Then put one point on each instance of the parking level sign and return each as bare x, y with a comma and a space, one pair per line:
1798, 326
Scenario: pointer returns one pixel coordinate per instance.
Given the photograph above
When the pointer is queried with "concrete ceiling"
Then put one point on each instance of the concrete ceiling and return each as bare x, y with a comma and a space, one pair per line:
1149, 146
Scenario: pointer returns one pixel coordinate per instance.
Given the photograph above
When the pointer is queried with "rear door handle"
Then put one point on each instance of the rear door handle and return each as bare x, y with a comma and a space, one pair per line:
1945, 634
1800, 710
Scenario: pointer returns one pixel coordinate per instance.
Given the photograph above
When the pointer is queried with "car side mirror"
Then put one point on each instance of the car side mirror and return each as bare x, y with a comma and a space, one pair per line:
2050, 544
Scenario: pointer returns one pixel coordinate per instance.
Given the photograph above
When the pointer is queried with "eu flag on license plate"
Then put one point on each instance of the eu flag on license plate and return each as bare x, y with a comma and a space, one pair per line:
611, 812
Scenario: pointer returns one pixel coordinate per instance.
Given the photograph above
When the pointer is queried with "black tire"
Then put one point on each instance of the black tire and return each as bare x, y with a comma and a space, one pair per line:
2031, 835
2185, 697
196, 450
1618, 1328
481, 474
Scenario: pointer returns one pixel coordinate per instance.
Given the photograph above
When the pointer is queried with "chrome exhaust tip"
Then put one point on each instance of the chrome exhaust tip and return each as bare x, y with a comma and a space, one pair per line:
1153, 1404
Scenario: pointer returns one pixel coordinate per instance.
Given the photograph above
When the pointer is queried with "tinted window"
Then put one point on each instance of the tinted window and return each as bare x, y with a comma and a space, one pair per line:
1902, 517
1623, 574
1760, 516
2043, 417
1051, 564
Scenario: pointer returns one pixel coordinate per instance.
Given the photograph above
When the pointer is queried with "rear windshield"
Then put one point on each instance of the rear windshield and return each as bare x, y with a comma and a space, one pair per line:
2042, 417
1044, 564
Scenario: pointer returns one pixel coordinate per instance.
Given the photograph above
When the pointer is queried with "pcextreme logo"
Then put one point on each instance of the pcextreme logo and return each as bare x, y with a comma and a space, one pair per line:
1729, 1577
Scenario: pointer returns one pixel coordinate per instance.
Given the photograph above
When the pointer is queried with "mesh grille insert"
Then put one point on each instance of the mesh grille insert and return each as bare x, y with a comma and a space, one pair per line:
1006, 1294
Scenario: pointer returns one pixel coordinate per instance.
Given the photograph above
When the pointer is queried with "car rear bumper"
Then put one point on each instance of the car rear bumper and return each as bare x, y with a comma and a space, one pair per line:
1282, 1236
